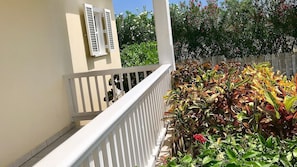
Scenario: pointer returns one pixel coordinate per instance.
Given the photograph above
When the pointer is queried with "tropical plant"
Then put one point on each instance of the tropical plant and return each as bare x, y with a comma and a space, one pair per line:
249, 150
230, 99
182, 160
205, 99
276, 98
144, 53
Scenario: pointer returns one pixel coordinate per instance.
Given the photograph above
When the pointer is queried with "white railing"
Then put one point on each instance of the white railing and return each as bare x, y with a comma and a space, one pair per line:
284, 62
126, 134
90, 93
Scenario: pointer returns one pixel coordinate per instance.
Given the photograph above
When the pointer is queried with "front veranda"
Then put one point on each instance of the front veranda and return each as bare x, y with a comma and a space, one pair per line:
131, 130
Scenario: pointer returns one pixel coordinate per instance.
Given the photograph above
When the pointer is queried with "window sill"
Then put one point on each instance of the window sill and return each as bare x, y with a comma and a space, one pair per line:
100, 54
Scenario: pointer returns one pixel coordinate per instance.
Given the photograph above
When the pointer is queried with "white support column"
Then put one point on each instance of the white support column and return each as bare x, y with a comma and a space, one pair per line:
164, 32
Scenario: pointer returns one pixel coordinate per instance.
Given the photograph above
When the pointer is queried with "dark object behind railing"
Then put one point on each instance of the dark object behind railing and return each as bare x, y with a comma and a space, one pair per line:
124, 82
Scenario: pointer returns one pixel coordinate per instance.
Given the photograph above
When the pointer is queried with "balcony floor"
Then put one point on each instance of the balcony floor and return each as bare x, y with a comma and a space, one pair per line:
49, 148
165, 150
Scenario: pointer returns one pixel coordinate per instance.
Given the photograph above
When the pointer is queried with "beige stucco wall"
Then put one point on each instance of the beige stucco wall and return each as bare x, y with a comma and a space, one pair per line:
40, 41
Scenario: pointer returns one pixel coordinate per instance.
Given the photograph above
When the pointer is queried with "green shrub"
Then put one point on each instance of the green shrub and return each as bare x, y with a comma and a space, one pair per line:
229, 99
240, 150
144, 53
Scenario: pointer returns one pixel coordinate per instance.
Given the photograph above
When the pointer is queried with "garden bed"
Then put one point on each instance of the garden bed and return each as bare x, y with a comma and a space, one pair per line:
232, 115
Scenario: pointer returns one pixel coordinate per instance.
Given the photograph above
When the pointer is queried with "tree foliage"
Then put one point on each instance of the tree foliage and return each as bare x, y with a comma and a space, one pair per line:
136, 34
139, 54
234, 28
135, 28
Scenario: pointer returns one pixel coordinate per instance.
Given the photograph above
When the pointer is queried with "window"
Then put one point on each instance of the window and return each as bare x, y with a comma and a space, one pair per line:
99, 31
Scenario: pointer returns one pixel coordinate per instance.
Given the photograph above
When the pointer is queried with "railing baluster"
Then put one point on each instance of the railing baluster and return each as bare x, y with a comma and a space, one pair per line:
90, 162
137, 77
135, 138
122, 145
159, 99
90, 94
82, 95
152, 117
98, 93
121, 77
113, 148
143, 120
158, 105
118, 147
105, 156
139, 131
149, 120
155, 114
105, 90
96, 157
109, 152
72, 95
127, 143
129, 81
101, 157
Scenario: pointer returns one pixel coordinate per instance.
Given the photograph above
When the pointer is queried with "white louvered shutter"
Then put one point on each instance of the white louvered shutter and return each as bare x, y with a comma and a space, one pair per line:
92, 30
107, 18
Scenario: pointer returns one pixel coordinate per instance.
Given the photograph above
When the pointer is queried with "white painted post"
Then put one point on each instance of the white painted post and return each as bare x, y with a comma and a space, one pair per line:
164, 32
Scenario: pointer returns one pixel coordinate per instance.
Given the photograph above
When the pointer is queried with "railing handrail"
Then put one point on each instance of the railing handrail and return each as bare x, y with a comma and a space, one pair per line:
112, 71
75, 149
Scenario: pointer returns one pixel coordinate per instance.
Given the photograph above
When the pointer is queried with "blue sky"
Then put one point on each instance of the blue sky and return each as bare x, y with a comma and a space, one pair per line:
120, 6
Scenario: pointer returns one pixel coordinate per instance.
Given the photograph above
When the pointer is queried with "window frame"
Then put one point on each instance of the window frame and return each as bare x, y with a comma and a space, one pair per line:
99, 30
